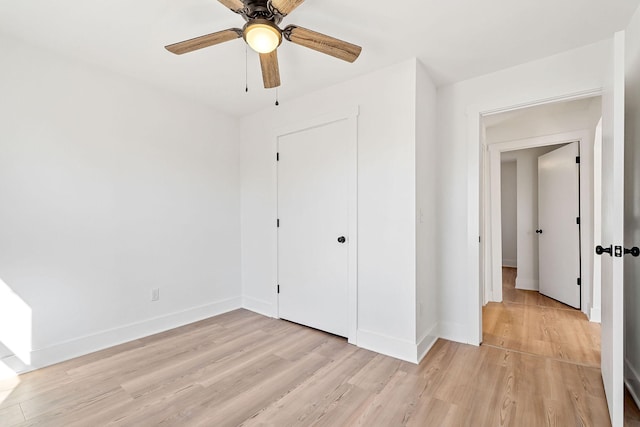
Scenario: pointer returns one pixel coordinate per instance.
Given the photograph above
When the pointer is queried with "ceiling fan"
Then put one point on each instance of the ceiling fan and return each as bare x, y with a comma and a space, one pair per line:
262, 34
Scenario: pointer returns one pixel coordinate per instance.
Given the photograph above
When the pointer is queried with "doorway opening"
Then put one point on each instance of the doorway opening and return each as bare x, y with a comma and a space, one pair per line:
526, 285
540, 220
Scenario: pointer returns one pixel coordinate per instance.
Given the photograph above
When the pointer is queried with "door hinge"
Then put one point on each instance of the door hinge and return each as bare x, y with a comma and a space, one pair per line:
278, 223
278, 288
479, 239
277, 157
578, 220
577, 159
579, 282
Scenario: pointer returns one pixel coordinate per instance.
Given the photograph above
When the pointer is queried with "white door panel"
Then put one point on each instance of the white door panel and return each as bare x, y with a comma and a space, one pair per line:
612, 270
313, 215
559, 232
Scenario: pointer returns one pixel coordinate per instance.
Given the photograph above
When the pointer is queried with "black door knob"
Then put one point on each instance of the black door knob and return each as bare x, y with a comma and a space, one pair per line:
600, 250
634, 251
539, 231
342, 239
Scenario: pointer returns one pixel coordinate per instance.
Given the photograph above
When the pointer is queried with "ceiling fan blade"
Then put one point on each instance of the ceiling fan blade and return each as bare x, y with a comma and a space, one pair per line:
270, 69
285, 7
322, 43
235, 5
204, 41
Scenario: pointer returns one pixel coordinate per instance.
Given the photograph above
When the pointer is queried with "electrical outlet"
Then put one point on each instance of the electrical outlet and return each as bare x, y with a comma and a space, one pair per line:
155, 294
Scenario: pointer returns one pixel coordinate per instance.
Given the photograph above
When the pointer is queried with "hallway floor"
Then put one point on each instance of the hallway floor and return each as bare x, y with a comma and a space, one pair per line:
529, 322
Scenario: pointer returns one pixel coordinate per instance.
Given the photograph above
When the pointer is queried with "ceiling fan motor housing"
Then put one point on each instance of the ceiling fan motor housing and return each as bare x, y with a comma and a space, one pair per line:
261, 9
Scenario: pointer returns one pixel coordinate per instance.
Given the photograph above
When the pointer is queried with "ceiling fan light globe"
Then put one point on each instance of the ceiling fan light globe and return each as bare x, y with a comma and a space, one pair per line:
262, 38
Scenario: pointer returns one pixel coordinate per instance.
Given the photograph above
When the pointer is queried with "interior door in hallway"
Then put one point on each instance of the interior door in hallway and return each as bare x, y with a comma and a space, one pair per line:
558, 229
313, 221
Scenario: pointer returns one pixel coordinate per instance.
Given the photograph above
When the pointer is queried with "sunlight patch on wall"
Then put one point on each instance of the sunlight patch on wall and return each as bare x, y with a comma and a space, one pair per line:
15, 324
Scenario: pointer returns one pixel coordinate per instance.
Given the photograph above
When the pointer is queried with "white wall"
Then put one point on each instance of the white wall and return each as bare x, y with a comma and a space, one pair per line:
527, 277
632, 207
527, 212
386, 200
427, 185
109, 188
509, 205
460, 105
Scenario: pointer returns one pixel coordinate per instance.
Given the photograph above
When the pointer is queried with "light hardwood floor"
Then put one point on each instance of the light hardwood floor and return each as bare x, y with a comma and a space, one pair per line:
631, 411
241, 368
528, 321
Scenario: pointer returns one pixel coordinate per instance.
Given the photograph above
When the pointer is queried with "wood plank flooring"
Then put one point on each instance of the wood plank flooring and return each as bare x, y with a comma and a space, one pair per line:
528, 321
244, 369
631, 411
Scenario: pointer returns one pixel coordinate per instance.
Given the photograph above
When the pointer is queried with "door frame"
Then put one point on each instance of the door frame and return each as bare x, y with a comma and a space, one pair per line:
475, 222
350, 115
491, 248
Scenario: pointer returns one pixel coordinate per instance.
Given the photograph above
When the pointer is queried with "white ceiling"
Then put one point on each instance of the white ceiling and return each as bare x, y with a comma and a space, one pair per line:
455, 39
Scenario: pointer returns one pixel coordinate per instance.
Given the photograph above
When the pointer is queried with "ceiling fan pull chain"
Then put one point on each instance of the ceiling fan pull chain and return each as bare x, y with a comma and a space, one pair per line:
277, 103
246, 68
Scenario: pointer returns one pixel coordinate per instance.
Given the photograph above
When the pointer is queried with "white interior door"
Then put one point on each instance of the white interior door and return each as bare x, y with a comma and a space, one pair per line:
313, 235
632, 210
612, 344
558, 229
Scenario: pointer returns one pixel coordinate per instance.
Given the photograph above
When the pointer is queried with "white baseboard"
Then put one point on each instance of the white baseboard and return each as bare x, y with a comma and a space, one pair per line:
453, 332
426, 342
595, 315
512, 263
527, 284
389, 346
258, 306
380, 343
632, 381
90, 343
